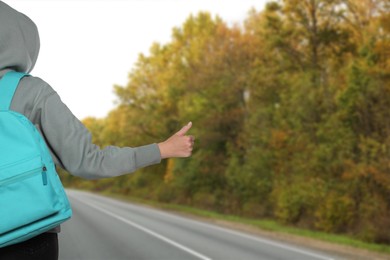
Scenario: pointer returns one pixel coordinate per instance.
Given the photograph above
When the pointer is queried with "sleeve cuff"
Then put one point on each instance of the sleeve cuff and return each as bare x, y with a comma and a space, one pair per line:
147, 155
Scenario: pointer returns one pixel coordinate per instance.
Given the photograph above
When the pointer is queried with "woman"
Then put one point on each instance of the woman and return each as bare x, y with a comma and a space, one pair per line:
68, 140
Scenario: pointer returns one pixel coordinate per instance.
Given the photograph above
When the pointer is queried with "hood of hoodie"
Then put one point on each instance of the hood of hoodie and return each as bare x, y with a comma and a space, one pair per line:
19, 41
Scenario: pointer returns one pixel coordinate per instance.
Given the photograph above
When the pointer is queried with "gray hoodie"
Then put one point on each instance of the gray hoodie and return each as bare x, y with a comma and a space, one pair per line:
68, 140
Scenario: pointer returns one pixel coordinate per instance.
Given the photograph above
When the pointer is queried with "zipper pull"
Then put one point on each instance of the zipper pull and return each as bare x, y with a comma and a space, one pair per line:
44, 175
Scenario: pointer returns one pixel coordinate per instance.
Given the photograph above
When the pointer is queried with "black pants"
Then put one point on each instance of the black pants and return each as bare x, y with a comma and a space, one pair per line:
42, 247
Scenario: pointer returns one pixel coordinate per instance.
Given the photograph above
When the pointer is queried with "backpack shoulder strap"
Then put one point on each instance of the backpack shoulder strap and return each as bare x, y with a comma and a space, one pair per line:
8, 85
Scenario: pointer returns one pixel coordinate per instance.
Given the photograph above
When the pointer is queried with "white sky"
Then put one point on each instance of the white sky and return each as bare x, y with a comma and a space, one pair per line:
87, 46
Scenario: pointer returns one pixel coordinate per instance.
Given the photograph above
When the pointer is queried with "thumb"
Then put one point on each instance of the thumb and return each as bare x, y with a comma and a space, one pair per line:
184, 129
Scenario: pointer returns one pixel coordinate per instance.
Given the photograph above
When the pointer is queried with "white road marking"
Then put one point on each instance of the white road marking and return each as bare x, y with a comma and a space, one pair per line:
269, 242
258, 239
264, 241
150, 232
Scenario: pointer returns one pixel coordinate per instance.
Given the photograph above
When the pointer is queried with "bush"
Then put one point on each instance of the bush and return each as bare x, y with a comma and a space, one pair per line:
335, 214
295, 202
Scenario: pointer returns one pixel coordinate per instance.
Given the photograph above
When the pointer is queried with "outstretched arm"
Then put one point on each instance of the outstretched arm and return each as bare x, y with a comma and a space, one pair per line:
70, 143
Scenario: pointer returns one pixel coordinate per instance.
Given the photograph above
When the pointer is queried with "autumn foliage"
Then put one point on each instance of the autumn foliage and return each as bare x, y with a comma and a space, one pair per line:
291, 113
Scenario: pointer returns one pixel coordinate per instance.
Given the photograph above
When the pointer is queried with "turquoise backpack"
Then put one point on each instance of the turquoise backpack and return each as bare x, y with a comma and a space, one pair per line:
32, 198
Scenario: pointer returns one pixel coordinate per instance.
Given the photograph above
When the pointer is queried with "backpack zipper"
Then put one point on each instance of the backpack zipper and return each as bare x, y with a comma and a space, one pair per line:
26, 175
13, 163
44, 175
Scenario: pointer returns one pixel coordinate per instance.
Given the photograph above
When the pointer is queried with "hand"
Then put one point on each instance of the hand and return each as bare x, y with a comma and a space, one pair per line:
178, 145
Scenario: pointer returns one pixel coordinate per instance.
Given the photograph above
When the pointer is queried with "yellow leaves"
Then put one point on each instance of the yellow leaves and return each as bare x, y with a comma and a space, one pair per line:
169, 176
335, 213
297, 199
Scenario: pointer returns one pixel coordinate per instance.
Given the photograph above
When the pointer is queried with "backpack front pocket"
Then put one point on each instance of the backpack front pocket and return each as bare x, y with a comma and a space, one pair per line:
25, 196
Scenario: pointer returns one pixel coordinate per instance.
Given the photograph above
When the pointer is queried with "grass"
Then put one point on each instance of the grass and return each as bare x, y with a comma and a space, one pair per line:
261, 224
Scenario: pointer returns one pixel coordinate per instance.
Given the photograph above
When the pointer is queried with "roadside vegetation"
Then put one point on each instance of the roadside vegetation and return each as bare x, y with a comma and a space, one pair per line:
291, 113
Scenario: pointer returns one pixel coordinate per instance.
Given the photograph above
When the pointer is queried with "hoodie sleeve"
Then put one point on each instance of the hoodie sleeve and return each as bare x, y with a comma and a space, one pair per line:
71, 143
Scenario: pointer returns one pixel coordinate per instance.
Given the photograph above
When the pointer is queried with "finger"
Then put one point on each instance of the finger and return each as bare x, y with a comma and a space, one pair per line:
191, 142
184, 129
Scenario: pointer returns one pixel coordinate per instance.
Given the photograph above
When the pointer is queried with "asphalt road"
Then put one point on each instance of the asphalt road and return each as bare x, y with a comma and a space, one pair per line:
108, 229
